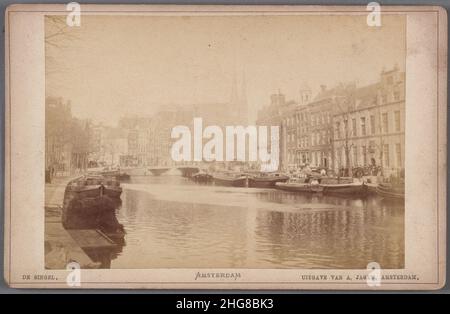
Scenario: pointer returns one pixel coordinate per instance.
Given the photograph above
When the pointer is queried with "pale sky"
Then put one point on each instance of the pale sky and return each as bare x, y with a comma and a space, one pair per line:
133, 64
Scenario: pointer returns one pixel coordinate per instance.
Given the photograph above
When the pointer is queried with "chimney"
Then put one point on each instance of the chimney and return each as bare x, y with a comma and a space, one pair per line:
323, 88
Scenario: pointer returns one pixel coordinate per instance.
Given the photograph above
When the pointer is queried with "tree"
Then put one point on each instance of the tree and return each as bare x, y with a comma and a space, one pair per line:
57, 34
345, 102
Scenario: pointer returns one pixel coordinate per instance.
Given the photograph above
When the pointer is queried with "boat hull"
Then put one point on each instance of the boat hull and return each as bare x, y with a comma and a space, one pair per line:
84, 192
371, 188
389, 191
299, 187
202, 178
188, 172
95, 191
235, 182
265, 182
123, 176
113, 192
158, 171
344, 189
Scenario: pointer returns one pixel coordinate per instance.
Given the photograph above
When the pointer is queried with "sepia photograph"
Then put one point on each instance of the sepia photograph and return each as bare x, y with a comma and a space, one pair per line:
230, 147
332, 99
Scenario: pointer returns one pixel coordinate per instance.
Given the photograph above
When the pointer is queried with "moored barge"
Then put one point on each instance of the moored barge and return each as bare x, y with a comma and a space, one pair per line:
228, 179
266, 180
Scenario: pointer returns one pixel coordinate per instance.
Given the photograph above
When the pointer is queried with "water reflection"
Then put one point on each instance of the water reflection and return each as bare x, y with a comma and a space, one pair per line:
173, 223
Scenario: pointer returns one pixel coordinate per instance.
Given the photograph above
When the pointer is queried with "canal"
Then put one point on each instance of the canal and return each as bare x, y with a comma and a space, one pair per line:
172, 222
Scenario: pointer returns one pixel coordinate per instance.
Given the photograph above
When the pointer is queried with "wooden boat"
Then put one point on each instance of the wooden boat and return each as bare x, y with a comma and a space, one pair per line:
90, 207
371, 184
157, 171
112, 191
202, 177
114, 173
187, 172
109, 173
266, 180
347, 187
371, 188
95, 186
298, 186
85, 191
238, 180
123, 176
389, 190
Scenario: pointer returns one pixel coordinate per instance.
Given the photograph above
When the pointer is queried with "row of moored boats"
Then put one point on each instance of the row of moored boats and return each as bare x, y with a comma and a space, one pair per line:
308, 183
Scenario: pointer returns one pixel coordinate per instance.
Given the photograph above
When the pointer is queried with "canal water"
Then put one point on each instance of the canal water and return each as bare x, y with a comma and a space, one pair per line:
172, 222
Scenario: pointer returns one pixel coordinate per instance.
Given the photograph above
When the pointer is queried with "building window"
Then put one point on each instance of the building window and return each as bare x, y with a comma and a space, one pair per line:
384, 98
372, 124
354, 127
398, 152
355, 156
397, 121
339, 157
363, 126
386, 155
396, 95
372, 147
364, 155
338, 130
385, 122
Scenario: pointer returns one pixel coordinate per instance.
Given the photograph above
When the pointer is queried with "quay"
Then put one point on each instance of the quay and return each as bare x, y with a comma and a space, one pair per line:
63, 246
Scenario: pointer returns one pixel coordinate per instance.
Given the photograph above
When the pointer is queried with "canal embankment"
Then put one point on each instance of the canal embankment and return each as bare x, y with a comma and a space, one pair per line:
62, 245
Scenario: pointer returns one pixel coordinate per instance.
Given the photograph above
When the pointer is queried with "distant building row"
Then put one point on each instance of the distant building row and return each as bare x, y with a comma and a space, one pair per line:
344, 127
